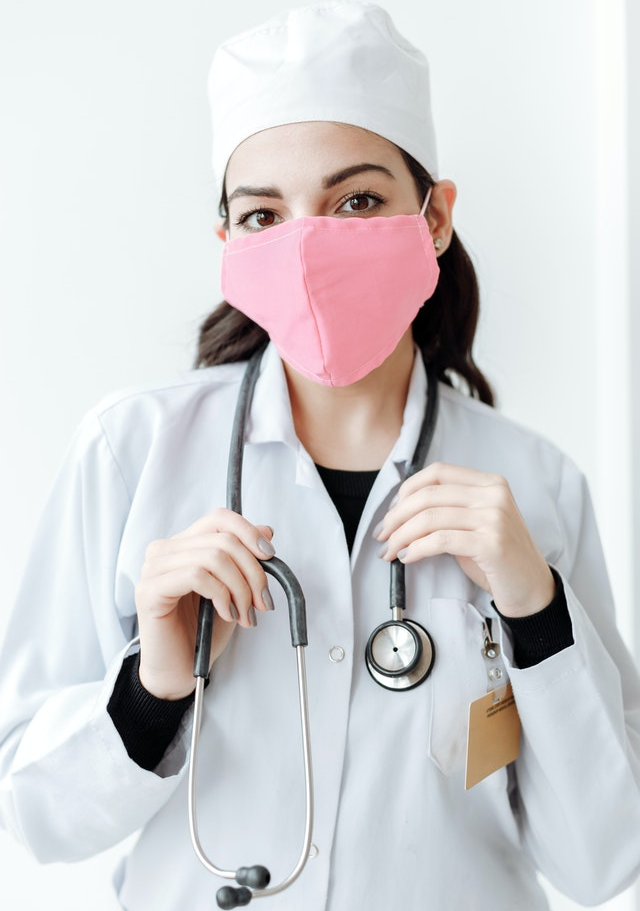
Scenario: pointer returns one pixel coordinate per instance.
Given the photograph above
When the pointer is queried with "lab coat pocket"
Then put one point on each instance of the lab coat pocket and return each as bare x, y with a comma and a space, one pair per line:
458, 677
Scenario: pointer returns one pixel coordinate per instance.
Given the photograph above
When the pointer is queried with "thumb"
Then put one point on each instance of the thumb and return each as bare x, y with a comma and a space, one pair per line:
265, 534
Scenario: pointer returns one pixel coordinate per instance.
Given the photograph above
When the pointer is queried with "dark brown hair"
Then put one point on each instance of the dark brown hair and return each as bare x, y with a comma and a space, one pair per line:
444, 330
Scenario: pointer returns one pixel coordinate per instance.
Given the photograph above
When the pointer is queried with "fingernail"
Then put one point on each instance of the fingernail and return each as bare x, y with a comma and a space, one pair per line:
378, 529
266, 547
403, 553
383, 550
266, 597
253, 620
234, 612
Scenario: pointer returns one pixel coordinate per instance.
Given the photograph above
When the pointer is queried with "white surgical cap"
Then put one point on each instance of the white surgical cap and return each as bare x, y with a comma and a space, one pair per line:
342, 62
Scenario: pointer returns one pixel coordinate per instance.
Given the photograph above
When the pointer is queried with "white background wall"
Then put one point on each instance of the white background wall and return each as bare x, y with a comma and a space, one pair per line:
633, 193
108, 259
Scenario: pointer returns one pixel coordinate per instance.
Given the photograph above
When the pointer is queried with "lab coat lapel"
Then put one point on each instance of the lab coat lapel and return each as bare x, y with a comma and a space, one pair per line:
395, 468
270, 419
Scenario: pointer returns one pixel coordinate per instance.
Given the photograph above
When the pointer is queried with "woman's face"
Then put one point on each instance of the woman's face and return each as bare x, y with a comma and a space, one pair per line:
315, 168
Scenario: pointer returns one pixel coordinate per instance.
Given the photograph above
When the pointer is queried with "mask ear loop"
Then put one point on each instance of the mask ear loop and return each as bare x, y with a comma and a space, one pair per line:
426, 202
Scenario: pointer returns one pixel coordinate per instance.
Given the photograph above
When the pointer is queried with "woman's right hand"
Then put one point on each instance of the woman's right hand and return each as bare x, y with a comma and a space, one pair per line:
217, 557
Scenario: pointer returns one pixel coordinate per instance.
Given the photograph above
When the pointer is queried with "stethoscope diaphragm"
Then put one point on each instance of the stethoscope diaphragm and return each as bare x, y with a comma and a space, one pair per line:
400, 654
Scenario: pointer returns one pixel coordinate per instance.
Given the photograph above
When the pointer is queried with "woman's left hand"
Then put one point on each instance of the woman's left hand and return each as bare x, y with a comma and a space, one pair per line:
448, 509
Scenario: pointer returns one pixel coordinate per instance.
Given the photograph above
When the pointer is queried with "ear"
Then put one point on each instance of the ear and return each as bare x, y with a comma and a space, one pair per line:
440, 213
221, 231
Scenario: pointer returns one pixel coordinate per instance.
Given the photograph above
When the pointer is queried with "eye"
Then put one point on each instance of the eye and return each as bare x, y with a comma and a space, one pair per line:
257, 219
357, 203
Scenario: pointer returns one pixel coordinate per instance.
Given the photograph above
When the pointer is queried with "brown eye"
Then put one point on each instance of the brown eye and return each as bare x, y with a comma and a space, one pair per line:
359, 203
258, 219
264, 219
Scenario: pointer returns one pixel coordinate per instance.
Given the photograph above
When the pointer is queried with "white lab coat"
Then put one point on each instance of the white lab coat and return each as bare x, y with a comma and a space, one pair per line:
395, 828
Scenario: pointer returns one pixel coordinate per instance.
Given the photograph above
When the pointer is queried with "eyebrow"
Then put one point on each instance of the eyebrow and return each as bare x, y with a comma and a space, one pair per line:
332, 180
270, 192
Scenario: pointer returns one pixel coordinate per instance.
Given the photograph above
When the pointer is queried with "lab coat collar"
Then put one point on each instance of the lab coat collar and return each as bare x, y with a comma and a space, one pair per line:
414, 409
271, 419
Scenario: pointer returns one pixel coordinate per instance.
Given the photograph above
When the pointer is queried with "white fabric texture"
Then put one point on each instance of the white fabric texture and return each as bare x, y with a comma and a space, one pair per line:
394, 826
343, 62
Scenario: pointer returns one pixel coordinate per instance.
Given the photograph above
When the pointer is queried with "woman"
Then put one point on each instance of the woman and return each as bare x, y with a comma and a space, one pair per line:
337, 233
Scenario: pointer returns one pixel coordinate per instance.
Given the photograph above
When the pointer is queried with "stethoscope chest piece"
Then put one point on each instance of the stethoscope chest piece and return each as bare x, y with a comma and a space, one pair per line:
400, 654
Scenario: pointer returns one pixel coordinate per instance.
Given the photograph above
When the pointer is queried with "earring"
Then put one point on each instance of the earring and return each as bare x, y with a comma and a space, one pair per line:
437, 243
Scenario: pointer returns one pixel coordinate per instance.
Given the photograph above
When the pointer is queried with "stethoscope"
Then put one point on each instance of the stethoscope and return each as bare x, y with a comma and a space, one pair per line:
399, 654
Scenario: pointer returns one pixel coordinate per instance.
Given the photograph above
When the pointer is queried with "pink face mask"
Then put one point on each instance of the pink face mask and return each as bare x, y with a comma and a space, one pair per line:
335, 295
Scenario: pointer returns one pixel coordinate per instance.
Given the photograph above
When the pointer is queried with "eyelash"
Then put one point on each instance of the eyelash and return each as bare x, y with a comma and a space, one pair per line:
379, 200
245, 216
242, 219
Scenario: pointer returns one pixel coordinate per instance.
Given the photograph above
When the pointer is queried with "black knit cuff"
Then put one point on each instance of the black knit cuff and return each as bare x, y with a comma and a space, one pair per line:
146, 724
542, 634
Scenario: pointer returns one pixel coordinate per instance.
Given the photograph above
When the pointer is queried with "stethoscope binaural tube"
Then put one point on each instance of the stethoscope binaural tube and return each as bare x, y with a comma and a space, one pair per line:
253, 882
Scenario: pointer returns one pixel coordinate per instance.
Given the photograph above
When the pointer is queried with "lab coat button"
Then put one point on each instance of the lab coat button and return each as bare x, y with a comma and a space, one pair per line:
313, 851
336, 653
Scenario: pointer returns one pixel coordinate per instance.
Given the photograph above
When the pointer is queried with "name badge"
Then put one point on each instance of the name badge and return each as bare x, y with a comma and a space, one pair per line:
493, 733
493, 738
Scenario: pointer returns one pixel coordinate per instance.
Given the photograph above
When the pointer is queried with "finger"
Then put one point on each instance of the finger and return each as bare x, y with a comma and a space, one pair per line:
445, 473
432, 497
224, 520
219, 565
159, 597
428, 521
456, 542
160, 549
226, 558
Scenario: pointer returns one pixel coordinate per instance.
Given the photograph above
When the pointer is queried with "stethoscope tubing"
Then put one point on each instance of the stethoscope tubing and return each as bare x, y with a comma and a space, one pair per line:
297, 621
397, 594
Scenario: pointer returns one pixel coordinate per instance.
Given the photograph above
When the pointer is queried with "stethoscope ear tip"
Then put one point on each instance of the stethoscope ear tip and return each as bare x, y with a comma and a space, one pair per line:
256, 877
229, 897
